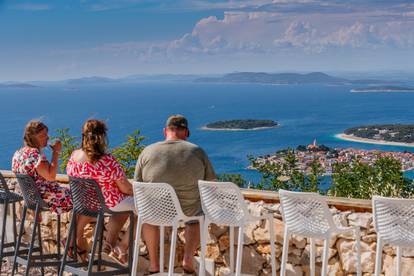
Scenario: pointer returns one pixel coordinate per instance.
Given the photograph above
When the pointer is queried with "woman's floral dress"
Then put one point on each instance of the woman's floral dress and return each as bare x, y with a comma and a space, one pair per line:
25, 161
105, 172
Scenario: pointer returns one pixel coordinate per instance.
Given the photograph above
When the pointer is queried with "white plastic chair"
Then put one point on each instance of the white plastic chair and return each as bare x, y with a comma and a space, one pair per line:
307, 214
157, 204
223, 204
394, 223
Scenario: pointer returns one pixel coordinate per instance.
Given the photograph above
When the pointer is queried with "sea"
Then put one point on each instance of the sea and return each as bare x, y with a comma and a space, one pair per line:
303, 112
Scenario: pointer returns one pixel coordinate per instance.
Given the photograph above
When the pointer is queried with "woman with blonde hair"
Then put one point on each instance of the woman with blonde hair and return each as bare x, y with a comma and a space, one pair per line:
92, 161
31, 160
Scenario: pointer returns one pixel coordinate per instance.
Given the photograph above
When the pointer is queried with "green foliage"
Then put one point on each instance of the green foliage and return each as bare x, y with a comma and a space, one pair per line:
69, 144
357, 179
232, 177
360, 180
286, 175
127, 153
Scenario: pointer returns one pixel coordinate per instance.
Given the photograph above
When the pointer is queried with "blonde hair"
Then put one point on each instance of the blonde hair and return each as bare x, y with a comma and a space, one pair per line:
33, 128
94, 140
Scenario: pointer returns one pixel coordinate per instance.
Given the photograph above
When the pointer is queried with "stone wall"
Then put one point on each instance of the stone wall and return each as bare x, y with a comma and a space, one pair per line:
256, 252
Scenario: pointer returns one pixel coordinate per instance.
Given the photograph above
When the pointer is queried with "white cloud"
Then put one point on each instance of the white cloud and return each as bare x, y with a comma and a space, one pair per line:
31, 7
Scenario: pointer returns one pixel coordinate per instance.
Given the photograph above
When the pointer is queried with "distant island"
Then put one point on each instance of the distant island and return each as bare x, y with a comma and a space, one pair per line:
17, 85
389, 134
286, 78
248, 124
383, 89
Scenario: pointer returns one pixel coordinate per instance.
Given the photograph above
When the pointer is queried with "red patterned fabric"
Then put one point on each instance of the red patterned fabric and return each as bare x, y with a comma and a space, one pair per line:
25, 161
105, 172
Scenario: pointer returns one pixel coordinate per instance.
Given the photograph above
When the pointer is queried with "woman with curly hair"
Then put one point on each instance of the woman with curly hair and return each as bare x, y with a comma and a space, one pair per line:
92, 161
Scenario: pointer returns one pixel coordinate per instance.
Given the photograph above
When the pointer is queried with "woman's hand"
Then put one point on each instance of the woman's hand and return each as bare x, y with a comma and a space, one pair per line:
124, 186
57, 146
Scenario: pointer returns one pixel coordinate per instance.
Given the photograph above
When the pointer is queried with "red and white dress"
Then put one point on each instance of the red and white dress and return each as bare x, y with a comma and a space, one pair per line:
25, 161
105, 172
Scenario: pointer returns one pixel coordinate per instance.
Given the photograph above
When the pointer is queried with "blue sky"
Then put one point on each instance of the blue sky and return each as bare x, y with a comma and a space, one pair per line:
50, 40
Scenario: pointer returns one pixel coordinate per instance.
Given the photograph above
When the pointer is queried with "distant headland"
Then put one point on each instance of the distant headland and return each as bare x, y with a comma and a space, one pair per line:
389, 134
288, 78
383, 89
247, 124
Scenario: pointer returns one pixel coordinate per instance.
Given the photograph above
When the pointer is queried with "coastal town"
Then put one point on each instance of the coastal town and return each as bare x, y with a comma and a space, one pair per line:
326, 156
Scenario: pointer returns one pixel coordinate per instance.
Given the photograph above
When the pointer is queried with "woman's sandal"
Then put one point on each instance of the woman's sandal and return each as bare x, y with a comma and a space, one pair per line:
119, 256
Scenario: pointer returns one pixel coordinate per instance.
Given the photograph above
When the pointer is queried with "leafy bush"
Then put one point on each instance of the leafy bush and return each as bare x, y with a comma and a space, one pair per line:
235, 178
286, 175
69, 144
357, 179
126, 154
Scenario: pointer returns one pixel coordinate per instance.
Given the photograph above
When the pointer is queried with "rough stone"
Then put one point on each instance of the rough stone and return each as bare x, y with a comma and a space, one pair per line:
363, 220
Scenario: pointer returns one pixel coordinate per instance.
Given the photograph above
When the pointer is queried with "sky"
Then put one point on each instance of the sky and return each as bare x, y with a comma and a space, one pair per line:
61, 39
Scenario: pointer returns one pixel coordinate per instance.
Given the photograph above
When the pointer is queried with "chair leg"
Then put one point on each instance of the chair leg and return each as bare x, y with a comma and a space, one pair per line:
19, 240
39, 237
3, 232
131, 242
239, 251
58, 236
31, 246
378, 257
14, 225
272, 244
162, 246
203, 236
358, 253
136, 248
284, 252
232, 249
98, 226
398, 260
325, 257
67, 245
100, 245
172, 250
312, 257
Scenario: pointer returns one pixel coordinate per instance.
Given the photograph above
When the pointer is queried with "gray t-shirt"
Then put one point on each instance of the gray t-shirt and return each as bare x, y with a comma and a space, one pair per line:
180, 164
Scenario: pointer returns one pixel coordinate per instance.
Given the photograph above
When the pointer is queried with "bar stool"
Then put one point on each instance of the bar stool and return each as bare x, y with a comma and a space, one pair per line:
33, 201
223, 204
308, 215
157, 204
88, 200
394, 223
7, 197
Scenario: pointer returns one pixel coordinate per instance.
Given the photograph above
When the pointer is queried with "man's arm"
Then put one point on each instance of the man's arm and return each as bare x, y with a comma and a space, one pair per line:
138, 169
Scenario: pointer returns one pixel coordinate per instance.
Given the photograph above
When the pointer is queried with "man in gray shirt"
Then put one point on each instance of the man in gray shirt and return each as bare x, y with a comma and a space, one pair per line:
180, 164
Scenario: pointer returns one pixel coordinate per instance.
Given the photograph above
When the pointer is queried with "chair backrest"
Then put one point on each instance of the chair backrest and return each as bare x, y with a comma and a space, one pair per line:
222, 202
30, 192
394, 220
157, 203
4, 188
87, 197
306, 213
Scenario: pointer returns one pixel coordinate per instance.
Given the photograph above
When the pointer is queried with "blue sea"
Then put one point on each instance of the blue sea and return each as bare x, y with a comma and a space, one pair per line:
304, 112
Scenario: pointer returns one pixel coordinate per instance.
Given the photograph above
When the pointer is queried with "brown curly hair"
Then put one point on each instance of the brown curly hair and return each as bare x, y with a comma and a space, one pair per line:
94, 139
33, 128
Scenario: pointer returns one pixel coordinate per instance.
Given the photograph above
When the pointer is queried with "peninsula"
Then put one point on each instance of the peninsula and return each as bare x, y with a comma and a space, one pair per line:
248, 124
383, 89
288, 78
389, 134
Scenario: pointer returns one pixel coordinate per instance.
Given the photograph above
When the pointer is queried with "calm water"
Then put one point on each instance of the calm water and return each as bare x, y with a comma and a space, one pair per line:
304, 112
